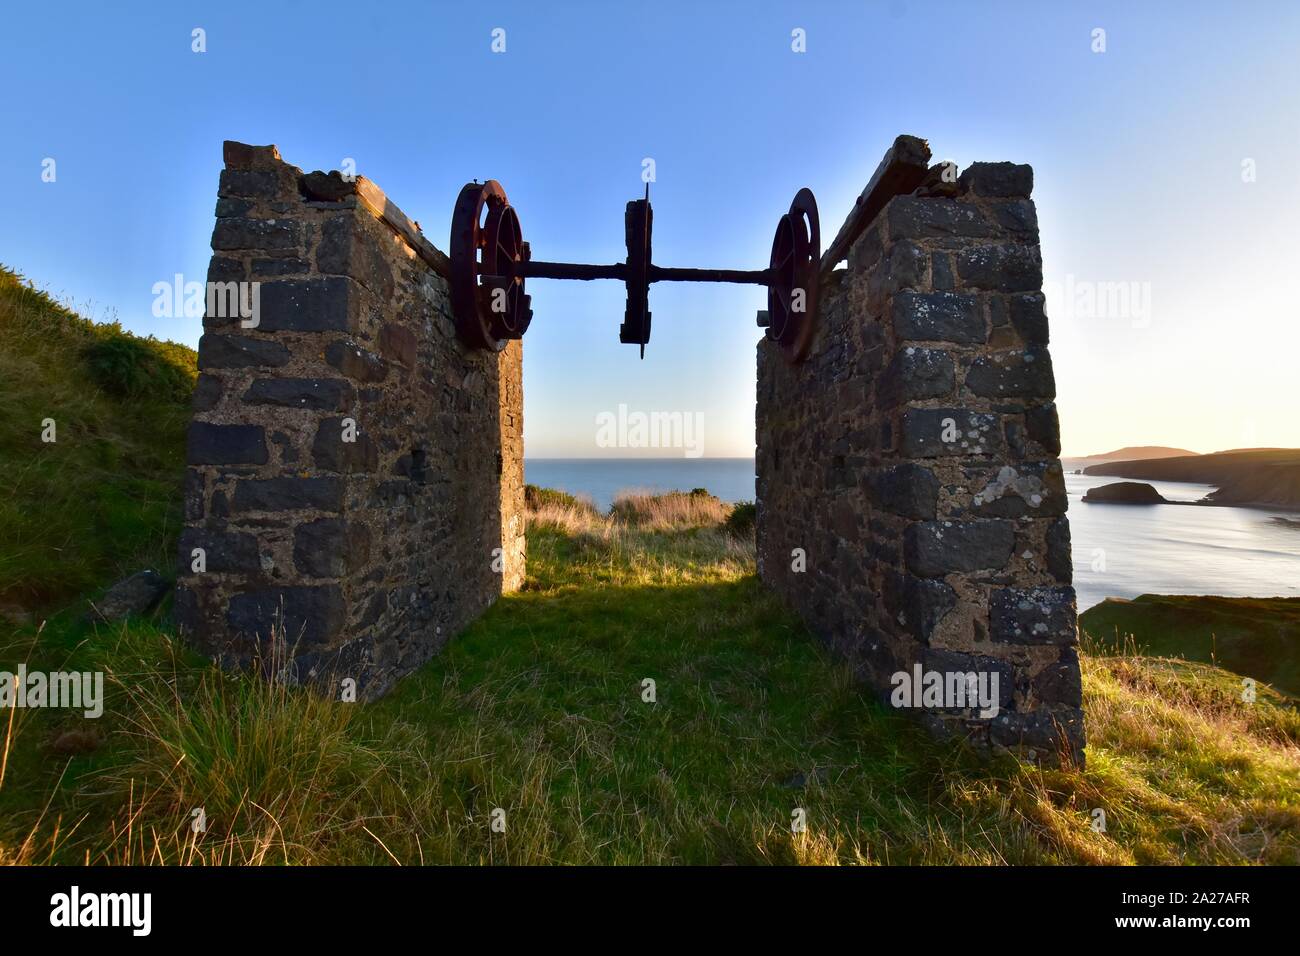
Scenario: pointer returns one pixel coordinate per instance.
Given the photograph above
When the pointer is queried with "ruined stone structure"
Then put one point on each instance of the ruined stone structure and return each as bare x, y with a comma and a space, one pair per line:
911, 504
355, 469
355, 472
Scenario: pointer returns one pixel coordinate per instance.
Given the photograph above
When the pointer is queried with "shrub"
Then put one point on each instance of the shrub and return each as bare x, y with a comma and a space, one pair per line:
536, 498
740, 522
129, 367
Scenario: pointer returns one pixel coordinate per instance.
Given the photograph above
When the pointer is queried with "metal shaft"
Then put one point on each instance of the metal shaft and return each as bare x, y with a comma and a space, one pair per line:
536, 269
747, 276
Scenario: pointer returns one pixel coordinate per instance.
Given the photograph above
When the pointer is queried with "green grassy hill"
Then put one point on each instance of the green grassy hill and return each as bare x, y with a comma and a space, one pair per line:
539, 709
102, 499
1254, 637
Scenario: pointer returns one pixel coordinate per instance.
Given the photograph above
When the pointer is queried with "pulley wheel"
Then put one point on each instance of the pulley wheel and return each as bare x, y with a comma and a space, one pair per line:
795, 263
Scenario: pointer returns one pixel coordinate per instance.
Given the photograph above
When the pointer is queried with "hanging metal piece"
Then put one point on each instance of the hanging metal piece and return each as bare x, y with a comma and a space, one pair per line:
638, 223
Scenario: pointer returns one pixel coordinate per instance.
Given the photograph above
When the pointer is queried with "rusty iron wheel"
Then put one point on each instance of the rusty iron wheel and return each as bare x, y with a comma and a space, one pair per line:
794, 262
501, 294
485, 240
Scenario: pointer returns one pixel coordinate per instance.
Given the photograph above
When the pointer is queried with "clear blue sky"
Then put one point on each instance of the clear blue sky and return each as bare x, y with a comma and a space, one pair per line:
1138, 155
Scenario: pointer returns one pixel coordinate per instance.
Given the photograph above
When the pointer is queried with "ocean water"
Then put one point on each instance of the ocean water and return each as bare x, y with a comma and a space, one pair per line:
1119, 550
1127, 550
731, 479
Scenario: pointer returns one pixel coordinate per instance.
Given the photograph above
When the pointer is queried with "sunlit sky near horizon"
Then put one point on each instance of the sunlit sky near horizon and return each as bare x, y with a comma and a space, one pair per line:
1138, 155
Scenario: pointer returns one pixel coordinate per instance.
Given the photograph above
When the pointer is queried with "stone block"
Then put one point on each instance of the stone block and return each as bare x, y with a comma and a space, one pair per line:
240, 351
309, 305
398, 343
907, 489
1043, 736
925, 603
209, 444
1060, 682
917, 373
317, 394
223, 551
207, 392
1023, 489
226, 269
276, 268
1033, 616
288, 494
942, 432
1029, 316
328, 187
998, 180
1007, 267
330, 547
913, 217
244, 156
1013, 374
251, 184
1017, 219
355, 362
935, 548
260, 234
302, 616
1043, 426
344, 250
947, 662
938, 317
1059, 559
332, 451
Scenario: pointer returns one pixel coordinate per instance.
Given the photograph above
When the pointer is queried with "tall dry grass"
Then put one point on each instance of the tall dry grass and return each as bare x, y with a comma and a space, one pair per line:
672, 511
633, 509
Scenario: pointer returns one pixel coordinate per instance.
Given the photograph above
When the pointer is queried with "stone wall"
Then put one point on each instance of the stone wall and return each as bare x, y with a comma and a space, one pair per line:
355, 472
913, 460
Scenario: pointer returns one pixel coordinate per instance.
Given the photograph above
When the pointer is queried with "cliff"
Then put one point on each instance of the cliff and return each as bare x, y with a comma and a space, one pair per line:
1264, 476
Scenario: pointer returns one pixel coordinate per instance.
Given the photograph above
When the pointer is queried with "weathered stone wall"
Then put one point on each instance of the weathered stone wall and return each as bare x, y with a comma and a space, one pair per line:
355, 472
913, 457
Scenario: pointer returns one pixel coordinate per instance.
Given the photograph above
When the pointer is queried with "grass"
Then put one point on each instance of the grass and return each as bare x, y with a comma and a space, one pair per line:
669, 512
1254, 637
540, 711
102, 498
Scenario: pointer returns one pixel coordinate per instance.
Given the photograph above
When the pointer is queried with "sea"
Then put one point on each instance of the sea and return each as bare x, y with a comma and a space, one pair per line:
1119, 550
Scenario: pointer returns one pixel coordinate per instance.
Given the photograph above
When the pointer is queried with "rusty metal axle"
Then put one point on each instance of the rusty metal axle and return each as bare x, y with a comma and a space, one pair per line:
490, 262
536, 269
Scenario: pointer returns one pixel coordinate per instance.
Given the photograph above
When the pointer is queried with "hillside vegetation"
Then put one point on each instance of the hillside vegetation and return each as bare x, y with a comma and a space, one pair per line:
102, 498
1254, 637
539, 718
